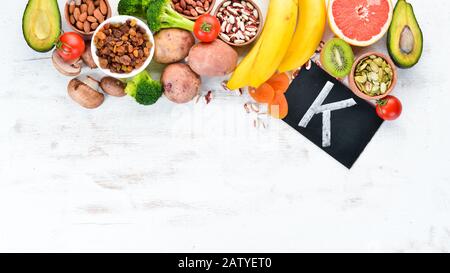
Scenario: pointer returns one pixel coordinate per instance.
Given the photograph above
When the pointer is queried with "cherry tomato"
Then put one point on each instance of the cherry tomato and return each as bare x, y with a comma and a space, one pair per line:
70, 46
207, 28
389, 108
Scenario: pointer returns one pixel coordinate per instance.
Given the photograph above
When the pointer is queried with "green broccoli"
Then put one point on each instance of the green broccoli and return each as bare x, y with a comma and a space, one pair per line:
160, 14
133, 7
144, 89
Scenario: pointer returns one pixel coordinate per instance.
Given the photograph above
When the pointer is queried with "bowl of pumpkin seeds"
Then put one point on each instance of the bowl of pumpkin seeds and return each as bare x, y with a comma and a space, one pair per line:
373, 76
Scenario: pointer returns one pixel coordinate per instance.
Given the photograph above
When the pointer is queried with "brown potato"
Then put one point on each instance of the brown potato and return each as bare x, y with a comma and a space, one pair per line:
172, 45
213, 59
180, 83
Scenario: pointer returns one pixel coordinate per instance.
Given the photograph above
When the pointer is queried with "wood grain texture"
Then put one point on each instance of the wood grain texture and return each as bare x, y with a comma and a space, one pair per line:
198, 177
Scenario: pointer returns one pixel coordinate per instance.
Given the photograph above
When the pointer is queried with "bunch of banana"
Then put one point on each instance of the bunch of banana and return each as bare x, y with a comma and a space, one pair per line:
285, 42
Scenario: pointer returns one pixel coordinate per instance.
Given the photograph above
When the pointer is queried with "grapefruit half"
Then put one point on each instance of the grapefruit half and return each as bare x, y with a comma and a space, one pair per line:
360, 22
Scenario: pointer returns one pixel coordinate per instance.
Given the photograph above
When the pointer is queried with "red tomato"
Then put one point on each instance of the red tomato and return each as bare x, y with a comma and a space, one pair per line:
207, 28
70, 46
389, 108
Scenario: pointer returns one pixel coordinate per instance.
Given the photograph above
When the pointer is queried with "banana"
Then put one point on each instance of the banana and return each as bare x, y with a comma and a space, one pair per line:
276, 37
241, 77
264, 58
310, 29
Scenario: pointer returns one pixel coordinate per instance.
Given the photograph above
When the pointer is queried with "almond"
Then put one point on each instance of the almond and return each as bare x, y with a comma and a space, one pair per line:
99, 16
103, 8
87, 27
92, 19
91, 8
82, 17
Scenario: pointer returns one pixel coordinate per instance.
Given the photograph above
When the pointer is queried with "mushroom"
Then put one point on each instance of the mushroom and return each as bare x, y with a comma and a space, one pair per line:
113, 86
84, 95
87, 56
65, 68
92, 82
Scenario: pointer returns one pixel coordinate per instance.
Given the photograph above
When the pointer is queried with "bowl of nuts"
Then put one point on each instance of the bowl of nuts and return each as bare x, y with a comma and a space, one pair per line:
373, 76
122, 46
240, 21
84, 16
192, 9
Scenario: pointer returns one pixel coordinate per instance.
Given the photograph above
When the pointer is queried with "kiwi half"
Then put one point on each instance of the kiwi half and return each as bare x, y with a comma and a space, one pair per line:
337, 58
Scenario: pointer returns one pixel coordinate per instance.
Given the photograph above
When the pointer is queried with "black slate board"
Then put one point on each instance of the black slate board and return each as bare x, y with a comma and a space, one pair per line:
352, 128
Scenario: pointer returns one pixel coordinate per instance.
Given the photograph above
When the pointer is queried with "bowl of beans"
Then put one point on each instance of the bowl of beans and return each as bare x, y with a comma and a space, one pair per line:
240, 21
122, 46
84, 16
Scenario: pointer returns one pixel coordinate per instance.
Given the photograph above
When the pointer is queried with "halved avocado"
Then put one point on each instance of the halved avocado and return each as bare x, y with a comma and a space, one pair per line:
405, 38
41, 24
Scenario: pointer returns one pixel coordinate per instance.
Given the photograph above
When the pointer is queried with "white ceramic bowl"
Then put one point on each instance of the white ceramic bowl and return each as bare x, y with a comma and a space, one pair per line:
123, 19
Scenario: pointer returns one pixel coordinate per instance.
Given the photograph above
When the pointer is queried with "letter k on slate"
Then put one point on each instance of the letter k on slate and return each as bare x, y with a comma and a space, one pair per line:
317, 108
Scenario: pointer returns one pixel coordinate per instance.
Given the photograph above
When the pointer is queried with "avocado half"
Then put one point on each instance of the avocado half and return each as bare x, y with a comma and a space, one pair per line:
41, 24
405, 38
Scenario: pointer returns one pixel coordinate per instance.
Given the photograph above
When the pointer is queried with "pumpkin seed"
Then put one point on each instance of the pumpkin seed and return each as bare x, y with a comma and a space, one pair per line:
361, 79
373, 75
383, 88
378, 61
374, 67
380, 74
362, 67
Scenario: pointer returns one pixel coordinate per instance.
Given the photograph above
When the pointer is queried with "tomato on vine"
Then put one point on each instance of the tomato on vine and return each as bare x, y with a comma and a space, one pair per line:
207, 28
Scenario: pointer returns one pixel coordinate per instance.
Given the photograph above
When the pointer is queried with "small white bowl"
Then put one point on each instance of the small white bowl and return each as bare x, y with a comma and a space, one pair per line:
123, 19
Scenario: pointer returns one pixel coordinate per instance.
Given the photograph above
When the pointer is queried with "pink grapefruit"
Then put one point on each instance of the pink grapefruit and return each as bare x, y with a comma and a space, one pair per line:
360, 22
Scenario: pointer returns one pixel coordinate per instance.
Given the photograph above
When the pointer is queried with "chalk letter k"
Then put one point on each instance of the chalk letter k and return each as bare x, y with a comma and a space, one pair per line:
317, 108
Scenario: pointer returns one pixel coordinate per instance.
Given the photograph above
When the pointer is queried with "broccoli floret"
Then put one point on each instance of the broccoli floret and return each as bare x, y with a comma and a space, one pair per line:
160, 14
133, 7
144, 89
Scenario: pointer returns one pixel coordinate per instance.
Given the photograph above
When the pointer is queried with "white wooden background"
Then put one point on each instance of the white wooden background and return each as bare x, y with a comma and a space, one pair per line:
198, 177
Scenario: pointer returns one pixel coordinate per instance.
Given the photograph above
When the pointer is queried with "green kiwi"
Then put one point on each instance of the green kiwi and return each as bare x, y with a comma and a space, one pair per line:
337, 58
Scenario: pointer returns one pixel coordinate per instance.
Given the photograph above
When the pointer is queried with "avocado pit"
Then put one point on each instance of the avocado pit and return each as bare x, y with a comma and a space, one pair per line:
407, 40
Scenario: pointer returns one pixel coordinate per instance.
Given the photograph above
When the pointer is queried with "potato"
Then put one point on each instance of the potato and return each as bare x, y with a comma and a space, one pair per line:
213, 59
180, 83
172, 45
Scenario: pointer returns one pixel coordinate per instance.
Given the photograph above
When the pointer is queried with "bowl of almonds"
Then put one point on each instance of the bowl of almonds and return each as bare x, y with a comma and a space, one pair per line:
240, 21
84, 16
373, 76
192, 9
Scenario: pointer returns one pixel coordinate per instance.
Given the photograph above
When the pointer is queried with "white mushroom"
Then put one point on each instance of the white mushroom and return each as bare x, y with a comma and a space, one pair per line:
67, 69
